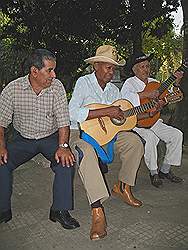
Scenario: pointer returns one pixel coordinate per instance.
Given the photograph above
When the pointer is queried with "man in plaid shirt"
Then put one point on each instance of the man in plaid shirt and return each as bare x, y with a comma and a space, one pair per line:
36, 105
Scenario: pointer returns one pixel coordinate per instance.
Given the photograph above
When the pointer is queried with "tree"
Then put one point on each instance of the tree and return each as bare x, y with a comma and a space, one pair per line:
74, 28
180, 118
141, 11
167, 52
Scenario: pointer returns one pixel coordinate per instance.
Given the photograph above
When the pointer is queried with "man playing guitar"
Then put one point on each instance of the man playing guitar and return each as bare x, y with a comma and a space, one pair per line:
136, 89
97, 88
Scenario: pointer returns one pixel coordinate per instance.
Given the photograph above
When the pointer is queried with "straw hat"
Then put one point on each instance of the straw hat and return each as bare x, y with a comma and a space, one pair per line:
106, 53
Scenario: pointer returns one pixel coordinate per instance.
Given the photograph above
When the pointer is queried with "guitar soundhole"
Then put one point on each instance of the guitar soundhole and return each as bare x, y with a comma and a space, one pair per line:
118, 122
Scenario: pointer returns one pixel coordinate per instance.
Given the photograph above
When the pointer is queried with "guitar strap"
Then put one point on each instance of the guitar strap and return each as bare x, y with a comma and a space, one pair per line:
105, 156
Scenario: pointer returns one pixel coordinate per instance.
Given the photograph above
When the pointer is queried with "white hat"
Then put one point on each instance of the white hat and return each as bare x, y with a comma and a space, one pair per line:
106, 53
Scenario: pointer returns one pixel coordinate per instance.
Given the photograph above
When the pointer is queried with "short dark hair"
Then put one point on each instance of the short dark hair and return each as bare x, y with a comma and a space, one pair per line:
36, 58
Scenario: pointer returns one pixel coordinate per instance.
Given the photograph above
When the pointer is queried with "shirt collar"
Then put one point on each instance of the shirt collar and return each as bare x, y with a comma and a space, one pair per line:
26, 84
95, 81
139, 81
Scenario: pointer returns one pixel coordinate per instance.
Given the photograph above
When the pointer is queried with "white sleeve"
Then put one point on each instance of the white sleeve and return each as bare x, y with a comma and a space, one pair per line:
77, 112
129, 93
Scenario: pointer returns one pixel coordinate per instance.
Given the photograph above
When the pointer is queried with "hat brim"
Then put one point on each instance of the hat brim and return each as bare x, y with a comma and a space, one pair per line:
95, 59
144, 58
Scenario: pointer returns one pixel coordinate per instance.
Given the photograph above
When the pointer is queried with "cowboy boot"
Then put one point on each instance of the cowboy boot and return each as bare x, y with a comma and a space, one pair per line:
126, 195
98, 228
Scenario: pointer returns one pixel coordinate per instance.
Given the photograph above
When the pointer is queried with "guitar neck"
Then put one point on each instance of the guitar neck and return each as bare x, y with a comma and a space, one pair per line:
166, 84
139, 109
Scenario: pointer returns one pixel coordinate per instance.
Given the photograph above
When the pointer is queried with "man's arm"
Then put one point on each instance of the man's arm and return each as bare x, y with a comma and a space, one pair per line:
147, 114
80, 112
64, 154
112, 112
3, 150
64, 134
157, 108
179, 76
2, 137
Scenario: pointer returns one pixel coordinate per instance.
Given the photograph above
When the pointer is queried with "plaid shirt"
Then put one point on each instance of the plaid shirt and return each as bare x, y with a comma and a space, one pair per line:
34, 116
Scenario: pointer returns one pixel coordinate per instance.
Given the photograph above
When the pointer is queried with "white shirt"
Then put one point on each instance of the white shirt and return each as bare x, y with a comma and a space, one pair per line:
131, 87
87, 91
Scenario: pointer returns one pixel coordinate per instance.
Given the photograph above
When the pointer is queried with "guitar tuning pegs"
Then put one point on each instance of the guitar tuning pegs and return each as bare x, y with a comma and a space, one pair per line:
185, 63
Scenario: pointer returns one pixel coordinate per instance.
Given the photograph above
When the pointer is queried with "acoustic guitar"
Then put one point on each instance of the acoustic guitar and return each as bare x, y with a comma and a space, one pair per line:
163, 90
104, 129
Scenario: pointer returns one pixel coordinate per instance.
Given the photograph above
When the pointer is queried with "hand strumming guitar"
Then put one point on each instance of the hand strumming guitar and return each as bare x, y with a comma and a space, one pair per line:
159, 105
149, 94
115, 112
112, 112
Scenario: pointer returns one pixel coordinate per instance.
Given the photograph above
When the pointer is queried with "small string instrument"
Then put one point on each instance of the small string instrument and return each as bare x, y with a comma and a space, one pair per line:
105, 128
163, 90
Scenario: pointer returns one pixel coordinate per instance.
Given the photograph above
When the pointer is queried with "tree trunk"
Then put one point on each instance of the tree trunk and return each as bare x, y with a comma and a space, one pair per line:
136, 8
181, 113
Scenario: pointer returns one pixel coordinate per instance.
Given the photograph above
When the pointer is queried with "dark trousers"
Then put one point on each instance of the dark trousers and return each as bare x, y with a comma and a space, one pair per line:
21, 150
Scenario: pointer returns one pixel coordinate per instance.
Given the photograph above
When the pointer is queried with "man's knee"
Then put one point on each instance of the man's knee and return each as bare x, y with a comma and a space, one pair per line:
85, 149
62, 171
151, 138
137, 143
7, 167
4, 173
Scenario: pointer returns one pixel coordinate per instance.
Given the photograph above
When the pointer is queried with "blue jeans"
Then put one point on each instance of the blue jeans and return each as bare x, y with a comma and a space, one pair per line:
21, 150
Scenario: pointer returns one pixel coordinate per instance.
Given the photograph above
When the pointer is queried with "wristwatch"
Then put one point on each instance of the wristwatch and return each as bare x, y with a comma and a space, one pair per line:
64, 145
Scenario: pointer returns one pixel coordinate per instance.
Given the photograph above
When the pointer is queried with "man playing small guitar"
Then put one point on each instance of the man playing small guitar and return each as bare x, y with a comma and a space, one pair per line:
104, 129
97, 88
136, 89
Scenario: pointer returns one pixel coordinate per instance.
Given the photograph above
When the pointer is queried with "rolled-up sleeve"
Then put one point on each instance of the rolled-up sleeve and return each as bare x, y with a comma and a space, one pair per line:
6, 107
78, 113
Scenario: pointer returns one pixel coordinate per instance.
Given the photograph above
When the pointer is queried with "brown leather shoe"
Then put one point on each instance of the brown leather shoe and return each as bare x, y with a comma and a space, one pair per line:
126, 195
98, 228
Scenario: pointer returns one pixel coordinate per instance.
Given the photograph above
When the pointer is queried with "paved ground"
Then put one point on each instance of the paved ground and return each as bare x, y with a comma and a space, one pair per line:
162, 222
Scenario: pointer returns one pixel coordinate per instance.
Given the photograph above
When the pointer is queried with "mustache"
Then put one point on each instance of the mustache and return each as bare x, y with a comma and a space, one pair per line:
51, 78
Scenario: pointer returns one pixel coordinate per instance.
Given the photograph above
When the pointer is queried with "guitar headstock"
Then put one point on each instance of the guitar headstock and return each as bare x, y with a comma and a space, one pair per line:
175, 96
184, 65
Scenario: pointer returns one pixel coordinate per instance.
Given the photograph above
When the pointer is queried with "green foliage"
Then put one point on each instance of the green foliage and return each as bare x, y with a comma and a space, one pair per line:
167, 50
4, 20
74, 28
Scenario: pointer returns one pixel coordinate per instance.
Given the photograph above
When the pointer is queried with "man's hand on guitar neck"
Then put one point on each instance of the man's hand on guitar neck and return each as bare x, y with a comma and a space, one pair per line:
149, 114
179, 76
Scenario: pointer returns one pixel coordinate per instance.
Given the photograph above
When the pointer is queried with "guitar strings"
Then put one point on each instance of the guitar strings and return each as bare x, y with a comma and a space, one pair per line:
170, 80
